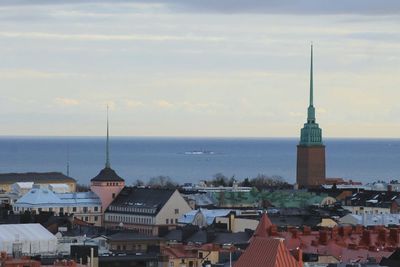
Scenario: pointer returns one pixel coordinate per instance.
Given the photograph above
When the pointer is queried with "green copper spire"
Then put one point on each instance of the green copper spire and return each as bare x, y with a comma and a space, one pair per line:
107, 144
311, 134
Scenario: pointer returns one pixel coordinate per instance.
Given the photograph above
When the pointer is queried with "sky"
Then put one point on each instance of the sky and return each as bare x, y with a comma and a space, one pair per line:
206, 68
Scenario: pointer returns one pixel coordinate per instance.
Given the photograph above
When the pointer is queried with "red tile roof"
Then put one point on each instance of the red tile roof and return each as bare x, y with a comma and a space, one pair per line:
263, 227
267, 252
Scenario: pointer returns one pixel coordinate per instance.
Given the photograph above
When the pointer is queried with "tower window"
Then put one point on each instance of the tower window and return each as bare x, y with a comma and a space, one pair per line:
113, 195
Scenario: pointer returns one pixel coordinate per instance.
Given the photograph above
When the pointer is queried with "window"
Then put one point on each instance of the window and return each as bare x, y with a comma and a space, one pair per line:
200, 255
95, 218
61, 210
166, 221
113, 195
85, 209
96, 208
86, 218
176, 211
171, 264
74, 209
124, 247
176, 220
118, 247
50, 209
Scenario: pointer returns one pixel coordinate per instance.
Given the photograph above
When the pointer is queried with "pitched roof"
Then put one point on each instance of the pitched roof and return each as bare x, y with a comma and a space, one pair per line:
209, 215
36, 177
131, 236
144, 200
44, 197
107, 174
263, 227
266, 252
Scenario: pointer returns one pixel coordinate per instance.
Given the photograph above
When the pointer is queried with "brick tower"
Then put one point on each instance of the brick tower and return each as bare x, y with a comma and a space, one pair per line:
311, 150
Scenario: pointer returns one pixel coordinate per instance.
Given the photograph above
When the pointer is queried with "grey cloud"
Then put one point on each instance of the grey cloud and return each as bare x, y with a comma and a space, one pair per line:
300, 7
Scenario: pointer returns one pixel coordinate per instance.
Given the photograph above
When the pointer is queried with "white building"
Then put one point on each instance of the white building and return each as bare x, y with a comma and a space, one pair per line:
27, 239
85, 206
371, 219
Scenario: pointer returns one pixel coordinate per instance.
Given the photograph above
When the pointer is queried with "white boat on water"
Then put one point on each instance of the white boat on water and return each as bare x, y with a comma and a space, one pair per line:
199, 152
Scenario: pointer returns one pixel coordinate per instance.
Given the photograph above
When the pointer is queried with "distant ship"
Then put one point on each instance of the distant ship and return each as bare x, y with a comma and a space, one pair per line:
199, 152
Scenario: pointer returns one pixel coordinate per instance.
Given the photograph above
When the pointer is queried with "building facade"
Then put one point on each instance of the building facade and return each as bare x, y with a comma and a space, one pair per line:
311, 150
146, 210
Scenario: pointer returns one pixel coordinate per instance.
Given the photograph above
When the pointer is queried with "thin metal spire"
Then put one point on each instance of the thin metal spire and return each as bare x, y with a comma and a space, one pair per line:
311, 79
311, 109
108, 144
68, 160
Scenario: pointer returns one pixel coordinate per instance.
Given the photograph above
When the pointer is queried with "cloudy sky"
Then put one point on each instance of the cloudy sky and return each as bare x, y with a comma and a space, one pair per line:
199, 68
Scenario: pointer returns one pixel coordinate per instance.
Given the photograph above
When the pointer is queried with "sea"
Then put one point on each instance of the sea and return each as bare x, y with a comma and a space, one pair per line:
189, 160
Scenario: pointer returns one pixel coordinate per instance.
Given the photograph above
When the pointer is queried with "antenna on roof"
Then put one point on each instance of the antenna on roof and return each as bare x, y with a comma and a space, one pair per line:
107, 144
68, 159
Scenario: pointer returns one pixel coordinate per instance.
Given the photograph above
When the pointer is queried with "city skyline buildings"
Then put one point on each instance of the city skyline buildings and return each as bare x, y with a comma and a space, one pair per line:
175, 69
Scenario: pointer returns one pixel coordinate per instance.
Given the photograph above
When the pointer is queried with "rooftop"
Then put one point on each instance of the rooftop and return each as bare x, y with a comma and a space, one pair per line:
36, 177
107, 174
43, 197
140, 200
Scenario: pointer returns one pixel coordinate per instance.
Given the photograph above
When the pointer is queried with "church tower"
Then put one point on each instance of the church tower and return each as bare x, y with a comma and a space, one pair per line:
311, 150
107, 184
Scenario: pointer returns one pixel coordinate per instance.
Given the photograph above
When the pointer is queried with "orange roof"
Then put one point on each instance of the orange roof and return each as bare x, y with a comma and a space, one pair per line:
267, 252
178, 252
263, 226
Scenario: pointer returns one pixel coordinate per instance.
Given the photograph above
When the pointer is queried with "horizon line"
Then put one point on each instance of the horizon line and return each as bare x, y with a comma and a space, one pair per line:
189, 137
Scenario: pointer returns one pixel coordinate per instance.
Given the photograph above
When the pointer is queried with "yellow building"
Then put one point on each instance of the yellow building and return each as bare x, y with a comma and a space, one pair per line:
191, 256
40, 178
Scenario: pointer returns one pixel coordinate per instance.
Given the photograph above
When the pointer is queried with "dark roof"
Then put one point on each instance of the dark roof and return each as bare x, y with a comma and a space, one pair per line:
131, 236
296, 221
107, 174
232, 238
198, 237
36, 177
175, 234
145, 200
382, 199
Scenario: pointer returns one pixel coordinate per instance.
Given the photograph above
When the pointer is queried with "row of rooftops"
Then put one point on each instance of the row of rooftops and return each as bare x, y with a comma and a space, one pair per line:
106, 174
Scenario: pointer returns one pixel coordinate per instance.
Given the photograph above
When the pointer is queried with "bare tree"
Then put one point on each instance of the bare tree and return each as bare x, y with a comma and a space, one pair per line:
162, 182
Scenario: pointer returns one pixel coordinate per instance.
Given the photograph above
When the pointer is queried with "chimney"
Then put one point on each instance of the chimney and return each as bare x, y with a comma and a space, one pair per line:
298, 255
345, 231
306, 230
295, 233
359, 229
394, 236
334, 233
323, 237
366, 238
